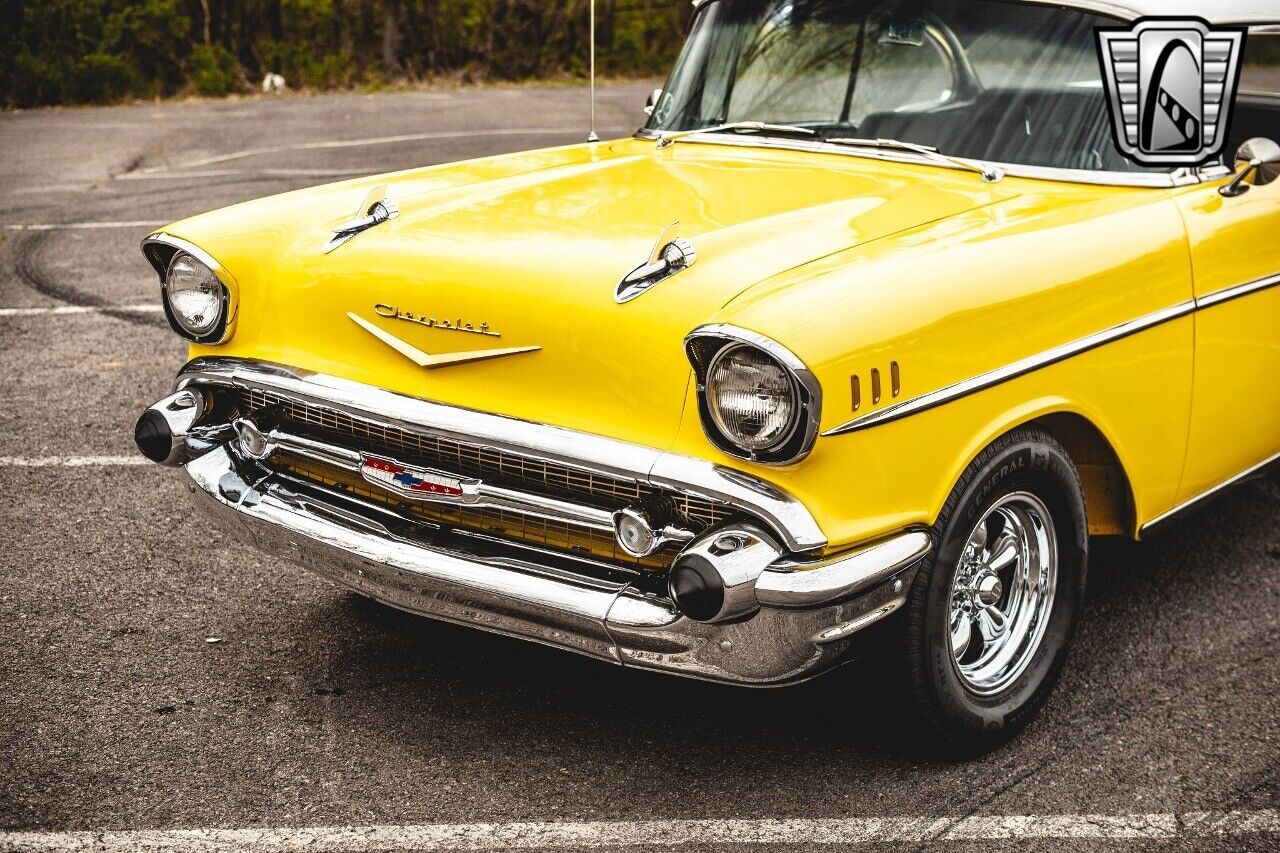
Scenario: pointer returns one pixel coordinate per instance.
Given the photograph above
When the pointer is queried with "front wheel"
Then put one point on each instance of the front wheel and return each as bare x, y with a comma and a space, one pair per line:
992, 611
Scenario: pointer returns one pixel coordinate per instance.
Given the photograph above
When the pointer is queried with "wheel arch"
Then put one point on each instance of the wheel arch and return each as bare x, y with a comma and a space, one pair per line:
1108, 494
1108, 491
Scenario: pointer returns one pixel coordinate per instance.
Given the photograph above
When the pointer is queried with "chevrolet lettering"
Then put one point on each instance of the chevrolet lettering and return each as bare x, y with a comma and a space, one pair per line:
856, 347
383, 310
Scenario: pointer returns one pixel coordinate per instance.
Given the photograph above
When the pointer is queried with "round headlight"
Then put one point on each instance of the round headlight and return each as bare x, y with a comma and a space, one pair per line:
752, 399
196, 297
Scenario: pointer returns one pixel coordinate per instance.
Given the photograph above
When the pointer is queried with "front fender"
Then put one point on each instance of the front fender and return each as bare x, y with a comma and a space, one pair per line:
967, 296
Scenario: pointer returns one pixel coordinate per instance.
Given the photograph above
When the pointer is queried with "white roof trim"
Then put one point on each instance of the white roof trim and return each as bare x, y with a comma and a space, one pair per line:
1222, 12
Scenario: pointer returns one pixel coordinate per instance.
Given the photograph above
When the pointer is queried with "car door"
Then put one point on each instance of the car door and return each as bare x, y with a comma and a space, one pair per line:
1235, 256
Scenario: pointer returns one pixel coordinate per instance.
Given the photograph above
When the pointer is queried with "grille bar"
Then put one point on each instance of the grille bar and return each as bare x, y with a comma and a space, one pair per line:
494, 466
574, 539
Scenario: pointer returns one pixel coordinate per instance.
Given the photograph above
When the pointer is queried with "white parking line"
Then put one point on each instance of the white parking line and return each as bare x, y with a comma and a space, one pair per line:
658, 833
255, 173
61, 226
70, 462
352, 143
79, 309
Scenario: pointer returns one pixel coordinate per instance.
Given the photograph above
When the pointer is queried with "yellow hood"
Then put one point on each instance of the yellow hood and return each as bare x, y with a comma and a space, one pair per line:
533, 246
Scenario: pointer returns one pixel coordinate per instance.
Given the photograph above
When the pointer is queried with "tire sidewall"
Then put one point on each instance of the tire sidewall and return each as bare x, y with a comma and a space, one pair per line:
1040, 467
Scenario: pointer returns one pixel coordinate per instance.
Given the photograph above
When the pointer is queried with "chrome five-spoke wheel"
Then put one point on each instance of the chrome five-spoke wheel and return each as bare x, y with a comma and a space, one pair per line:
991, 612
1002, 593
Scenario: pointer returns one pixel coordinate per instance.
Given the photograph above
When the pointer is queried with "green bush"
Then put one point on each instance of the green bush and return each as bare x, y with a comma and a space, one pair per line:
104, 50
332, 69
212, 69
36, 82
101, 78
154, 35
300, 66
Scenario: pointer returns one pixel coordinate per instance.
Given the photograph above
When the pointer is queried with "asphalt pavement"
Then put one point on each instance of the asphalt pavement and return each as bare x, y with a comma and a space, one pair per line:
155, 675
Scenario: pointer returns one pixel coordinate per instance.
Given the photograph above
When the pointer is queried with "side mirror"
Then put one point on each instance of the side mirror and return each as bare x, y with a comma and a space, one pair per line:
1257, 164
652, 102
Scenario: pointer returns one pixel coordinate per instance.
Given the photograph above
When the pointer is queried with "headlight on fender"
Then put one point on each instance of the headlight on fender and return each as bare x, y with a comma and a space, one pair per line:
757, 400
197, 300
752, 399
199, 297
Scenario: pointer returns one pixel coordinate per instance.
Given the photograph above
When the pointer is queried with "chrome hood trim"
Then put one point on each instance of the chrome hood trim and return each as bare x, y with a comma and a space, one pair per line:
793, 523
1149, 180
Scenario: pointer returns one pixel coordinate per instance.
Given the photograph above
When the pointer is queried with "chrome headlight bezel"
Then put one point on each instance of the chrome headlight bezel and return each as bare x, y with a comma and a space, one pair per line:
161, 250
707, 345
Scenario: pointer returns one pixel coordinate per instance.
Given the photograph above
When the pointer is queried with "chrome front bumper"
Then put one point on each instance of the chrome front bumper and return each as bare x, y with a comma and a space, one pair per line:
802, 614
800, 631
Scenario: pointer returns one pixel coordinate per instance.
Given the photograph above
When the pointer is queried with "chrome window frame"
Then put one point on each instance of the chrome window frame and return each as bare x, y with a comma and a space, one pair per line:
1181, 177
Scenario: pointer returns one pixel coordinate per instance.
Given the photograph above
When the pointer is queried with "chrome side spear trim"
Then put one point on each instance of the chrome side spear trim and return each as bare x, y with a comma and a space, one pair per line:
933, 399
1050, 357
1227, 294
1195, 501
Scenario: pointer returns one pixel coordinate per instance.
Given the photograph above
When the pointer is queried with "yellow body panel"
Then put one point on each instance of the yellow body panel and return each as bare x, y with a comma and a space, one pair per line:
975, 293
1236, 424
851, 263
534, 246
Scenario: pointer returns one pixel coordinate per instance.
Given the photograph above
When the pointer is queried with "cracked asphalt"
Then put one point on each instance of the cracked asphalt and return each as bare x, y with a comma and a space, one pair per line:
154, 674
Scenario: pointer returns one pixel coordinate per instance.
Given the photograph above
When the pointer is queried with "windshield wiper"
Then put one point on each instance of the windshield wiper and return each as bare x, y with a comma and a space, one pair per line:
749, 126
989, 172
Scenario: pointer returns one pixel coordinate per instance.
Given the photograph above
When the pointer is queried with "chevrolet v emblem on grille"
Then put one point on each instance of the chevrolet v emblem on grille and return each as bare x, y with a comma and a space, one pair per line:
426, 359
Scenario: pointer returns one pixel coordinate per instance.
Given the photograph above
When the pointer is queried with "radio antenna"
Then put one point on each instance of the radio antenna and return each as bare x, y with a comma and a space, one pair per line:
591, 137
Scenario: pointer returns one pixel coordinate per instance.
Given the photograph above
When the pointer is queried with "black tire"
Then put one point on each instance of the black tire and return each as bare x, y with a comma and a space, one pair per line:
953, 719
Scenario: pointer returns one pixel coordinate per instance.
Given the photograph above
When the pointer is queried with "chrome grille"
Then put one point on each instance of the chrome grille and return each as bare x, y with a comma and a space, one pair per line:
508, 524
495, 466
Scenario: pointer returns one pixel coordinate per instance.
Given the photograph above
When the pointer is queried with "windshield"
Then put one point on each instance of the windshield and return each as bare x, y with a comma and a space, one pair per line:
1005, 82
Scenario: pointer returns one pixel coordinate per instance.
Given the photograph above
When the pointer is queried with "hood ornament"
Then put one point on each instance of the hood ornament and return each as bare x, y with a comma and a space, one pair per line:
670, 255
377, 208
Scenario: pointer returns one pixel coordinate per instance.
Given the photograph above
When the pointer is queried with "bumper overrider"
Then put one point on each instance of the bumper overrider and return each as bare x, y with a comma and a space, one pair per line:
606, 548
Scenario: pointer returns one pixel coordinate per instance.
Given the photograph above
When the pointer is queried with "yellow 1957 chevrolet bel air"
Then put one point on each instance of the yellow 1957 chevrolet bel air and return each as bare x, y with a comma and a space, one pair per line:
872, 322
